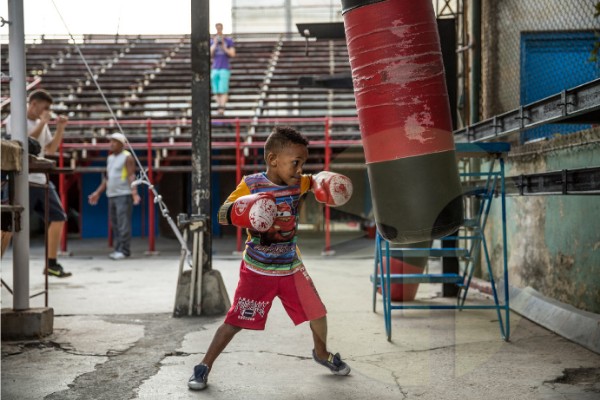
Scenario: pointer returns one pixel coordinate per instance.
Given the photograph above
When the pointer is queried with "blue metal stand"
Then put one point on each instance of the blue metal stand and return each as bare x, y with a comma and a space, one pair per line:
484, 186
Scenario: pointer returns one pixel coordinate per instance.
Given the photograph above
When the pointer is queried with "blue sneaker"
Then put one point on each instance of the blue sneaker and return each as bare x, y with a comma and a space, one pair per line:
199, 380
334, 363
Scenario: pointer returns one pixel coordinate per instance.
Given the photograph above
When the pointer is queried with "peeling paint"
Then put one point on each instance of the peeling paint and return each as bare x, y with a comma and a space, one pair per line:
553, 241
415, 127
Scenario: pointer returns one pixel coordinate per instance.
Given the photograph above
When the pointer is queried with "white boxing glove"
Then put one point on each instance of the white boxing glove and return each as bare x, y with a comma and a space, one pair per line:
332, 188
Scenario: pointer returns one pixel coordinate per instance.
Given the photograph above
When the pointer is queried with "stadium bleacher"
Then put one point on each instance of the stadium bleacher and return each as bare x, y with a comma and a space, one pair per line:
148, 78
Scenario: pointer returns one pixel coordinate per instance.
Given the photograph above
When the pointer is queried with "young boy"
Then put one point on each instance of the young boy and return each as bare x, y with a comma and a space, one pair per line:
267, 205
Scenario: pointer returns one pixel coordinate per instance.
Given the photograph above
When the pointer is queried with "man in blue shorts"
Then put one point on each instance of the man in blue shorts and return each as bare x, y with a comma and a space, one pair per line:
221, 50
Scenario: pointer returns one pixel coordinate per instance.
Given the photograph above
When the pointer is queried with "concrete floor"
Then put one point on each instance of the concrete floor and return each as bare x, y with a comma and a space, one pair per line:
114, 338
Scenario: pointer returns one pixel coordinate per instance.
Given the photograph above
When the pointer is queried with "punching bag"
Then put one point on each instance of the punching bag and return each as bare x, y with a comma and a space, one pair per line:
404, 117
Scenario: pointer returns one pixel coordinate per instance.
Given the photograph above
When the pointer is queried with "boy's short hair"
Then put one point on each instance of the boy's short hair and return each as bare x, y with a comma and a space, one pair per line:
282, 136
41, 95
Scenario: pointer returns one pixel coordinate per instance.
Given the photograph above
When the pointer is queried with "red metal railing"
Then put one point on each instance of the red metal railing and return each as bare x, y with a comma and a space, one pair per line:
151, 223
238, 144
327, 209
62, 190
238, 174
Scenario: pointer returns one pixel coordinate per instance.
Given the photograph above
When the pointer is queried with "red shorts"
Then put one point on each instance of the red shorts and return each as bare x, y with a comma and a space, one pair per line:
255, 293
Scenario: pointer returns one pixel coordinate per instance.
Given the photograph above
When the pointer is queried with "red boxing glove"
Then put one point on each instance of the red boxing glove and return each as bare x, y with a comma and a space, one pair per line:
331, 188
254, 211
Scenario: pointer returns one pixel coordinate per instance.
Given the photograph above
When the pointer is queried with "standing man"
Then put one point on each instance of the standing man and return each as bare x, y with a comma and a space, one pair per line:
38, 117
221, 50
120, 174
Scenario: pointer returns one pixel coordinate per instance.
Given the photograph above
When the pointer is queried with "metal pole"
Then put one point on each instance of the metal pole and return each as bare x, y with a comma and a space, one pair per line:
18, 120
201, 134
505, 251
474, 92
475, 76
238, 174
288, 18
151, 223
63, 196
327, 209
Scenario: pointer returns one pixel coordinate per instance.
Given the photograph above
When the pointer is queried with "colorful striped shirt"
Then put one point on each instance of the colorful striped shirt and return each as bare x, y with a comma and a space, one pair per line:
274, 252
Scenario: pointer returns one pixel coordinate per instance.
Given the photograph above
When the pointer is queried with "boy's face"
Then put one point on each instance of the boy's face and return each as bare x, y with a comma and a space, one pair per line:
285, 166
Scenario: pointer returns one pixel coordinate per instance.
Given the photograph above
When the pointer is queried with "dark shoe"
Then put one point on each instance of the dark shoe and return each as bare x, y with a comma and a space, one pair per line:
199, 380
334, 363
58, 271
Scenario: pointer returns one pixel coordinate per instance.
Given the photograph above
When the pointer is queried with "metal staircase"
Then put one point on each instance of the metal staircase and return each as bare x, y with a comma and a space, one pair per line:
484, 186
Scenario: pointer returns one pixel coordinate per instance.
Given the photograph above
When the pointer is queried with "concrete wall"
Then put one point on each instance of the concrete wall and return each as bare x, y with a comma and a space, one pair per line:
553, 241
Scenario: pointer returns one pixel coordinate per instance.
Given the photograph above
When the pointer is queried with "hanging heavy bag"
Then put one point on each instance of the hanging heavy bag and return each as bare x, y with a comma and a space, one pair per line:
404, 116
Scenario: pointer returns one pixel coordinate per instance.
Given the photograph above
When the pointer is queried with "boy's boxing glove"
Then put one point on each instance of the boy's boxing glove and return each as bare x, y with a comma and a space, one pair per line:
254, 211
331, 188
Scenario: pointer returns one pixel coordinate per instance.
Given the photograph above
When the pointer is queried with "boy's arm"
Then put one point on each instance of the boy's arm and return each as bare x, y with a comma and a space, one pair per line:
251, 211
241, 190
305, 183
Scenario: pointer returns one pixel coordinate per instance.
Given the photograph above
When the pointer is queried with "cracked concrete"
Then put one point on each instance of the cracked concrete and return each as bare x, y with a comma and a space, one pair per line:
118, 341
160, 334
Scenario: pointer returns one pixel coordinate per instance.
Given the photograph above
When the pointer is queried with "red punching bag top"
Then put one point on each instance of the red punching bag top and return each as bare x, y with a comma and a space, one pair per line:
398, 78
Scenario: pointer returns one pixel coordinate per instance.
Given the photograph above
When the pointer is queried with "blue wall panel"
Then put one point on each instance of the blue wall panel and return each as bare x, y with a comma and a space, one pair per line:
550, 63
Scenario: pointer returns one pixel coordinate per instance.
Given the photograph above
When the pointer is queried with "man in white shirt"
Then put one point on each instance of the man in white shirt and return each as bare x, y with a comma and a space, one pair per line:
38, 117
120, 174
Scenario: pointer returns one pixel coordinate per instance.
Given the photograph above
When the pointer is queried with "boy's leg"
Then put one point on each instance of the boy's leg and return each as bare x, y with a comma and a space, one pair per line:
321, 354
222, 337
251, 304
302, 303
319, 331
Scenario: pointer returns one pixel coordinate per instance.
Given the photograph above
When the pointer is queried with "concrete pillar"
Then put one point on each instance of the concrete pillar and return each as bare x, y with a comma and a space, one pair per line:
18, 120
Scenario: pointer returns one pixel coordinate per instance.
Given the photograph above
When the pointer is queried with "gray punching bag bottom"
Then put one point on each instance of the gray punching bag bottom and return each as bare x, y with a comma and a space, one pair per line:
416, 199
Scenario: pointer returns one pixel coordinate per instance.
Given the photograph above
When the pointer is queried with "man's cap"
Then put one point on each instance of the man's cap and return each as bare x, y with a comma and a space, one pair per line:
119, 137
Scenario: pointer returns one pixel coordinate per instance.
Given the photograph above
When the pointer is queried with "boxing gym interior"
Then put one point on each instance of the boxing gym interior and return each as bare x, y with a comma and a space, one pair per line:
465, 264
